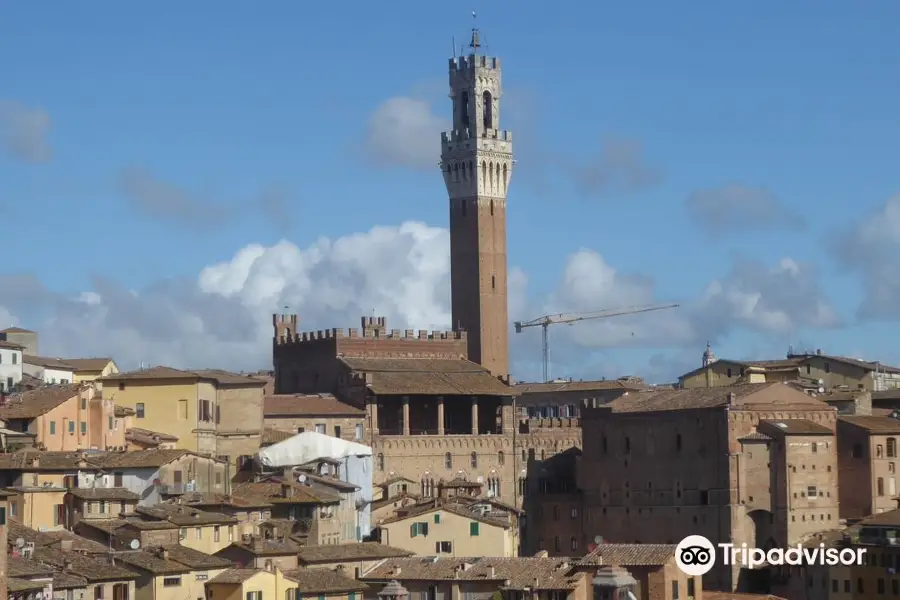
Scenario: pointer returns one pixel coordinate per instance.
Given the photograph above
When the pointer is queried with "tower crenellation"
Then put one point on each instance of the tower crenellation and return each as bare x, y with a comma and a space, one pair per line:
477, 164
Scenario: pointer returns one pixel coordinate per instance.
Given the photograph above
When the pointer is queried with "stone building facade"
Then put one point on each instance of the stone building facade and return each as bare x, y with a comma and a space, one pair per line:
867, 464
753, 464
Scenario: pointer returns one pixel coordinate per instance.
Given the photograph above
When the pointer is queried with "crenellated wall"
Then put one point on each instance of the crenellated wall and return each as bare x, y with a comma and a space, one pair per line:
306, 361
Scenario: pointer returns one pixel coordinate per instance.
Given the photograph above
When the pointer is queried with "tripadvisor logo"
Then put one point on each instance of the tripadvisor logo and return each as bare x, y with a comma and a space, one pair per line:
696, 555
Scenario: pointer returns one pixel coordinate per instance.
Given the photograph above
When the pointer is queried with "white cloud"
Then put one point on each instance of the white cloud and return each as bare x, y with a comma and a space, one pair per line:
24, 131
739, 207
223, 318
869, 247
404, 132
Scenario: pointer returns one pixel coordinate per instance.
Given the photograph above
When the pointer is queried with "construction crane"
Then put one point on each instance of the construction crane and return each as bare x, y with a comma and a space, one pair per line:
569, 318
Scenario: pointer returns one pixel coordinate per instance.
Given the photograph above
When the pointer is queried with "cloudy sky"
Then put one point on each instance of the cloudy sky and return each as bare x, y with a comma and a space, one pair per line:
169, 178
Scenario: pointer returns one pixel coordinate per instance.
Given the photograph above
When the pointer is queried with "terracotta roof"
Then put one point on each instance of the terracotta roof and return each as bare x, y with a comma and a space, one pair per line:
537, 573
742, 396
88, 364
91, 568
213, 499
349, 553
580, 386
258, 546
888, 518
15, 330
431, 377
147, 437
235, 575
174, 559
185, 516
312, 405
227, 378
104, 494
11, 345
459, 509
163, 372
34, 403
324, 581
34, 460
795, 427
147, 525
337, 484
15, 584
16, 566
17, 530
47, 362
630, 555
271, 491
874, 424
153, 563
754, 436
138, 459
79, 543
273, 436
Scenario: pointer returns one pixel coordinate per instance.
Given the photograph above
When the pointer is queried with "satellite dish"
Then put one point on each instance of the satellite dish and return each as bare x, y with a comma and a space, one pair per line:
20, 542
598, 539
135, 544
301, 478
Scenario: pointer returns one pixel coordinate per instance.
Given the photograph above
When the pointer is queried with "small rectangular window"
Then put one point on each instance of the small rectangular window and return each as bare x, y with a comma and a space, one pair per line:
83, 428
71, 427
52, 427
139, 410
473, 529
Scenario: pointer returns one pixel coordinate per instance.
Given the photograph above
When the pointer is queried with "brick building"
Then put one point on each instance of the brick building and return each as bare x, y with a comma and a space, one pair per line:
753, 464
867, 464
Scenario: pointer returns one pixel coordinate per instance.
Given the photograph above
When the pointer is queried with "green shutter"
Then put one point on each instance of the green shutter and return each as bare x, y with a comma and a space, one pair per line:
413, 530
473, 529
437, 517
424, 528
2, 516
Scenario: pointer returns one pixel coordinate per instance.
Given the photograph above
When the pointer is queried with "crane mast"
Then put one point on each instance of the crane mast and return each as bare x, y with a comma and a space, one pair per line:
545, 321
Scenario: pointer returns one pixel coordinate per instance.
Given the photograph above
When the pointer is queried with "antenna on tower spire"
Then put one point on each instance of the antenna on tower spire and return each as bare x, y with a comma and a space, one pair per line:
476, 44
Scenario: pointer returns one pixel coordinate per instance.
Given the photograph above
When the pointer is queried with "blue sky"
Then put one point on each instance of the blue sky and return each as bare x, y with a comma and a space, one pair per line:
178, 135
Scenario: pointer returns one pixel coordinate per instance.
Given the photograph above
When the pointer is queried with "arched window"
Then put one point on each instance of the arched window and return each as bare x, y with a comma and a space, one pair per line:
488, 110
474, 460
448, 461
881, 486
892, 447
501, 460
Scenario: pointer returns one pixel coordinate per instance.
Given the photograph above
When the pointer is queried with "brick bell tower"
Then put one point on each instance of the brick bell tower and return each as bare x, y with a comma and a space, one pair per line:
477, 162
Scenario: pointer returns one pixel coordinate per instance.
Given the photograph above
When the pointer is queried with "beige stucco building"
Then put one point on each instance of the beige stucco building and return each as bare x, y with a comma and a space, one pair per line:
210, 412
448, 530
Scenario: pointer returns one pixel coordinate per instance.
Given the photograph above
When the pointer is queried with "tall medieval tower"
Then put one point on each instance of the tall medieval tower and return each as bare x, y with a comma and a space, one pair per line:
477, 162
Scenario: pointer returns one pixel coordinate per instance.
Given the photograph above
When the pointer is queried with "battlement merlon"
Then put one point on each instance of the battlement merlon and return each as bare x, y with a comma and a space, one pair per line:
373, 328
462, 136
473, 62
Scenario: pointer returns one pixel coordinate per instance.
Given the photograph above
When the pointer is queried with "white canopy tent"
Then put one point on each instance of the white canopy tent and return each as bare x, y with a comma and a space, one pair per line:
309, 446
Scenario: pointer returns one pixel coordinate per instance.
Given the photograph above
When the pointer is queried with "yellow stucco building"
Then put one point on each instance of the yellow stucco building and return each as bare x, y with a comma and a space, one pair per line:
449, 531
210, 412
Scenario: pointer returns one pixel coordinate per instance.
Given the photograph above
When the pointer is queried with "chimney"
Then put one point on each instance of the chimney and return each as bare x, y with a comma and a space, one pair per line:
492, 573
67, 565
287, 490
731, 398
396, 570
818, 352
537, 582
164, 554
65, 545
